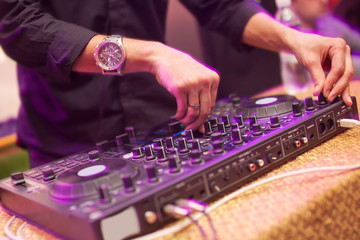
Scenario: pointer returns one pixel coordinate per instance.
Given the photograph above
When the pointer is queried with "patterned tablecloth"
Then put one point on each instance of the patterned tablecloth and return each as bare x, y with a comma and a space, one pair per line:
320, 205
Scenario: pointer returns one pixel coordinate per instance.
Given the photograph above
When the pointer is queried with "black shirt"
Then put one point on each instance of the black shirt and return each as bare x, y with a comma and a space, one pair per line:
63, 112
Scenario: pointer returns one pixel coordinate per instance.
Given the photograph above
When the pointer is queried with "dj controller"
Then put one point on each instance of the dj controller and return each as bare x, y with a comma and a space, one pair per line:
129, 186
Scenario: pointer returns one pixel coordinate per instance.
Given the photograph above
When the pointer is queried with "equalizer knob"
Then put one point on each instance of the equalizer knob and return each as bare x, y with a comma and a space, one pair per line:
296, 109
104, 194
174, 127
152, 174
174, 165
239, 120
221, 128
236, 136
322, 100
252, 121
169, 142
218, 146
94, 155
226, 120
309, 104
161, 155
159, 142
137, 153
257, 131
128, 183
208, 129
183, 148
189, 134
195, 144
274, 122
149, 153
196, 157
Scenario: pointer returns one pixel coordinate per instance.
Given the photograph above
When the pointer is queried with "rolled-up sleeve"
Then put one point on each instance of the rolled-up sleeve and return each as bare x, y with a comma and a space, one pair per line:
34, 38
228, 17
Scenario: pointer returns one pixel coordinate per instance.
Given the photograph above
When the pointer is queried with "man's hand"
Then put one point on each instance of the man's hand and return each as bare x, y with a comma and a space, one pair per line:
193, 84
329, 62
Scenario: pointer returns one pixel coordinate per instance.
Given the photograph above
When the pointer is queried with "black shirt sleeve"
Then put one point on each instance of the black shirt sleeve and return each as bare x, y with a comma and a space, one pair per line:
36, 39
228, 17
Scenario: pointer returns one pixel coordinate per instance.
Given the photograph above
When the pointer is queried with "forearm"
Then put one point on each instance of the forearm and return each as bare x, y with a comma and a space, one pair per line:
265, 32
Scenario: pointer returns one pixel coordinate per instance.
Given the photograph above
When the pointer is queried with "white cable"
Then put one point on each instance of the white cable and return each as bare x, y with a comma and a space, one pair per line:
186, 222
349, 123
8, 232
18, 232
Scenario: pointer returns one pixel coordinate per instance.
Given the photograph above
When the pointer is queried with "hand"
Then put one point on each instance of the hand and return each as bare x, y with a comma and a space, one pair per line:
329, 62
193, 85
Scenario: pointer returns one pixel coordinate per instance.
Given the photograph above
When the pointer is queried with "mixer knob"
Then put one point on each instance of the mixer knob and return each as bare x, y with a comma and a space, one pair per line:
159, 142
48, 174
208, 129
122, 139
221, 128
161, 155
196, 157
94, 155
170, 142
149, 153
216, 136
128, 183
226, 120
274, 122
137, 153
183, 148
257, 131
252, 121
195, 144
189, 134
173, 151
236, 136
174, 165
309, 103
296, 109
322, 100
152, 174
130, 131
104, 194
17, 178
239, 120
174, 127
213, 121
218, 146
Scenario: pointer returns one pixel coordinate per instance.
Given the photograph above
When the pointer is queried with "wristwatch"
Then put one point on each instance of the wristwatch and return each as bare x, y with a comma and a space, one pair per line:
110, 55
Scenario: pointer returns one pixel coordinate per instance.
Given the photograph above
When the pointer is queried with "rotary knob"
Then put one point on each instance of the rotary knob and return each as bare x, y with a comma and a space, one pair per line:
48, 174
149, 153
296, 109
322, 100
257, 131
128, 183
196, 157
137, 153
226, 120
183, 148
189, 134
309, 104
174, 165
252, 121
221, 128
161, 155
218, 146
94, 155
174, 127
236, 136
195, 144
17, 178
170, 142
152, 174
239, 120
274, 122
208, 129
159, 142
104, 194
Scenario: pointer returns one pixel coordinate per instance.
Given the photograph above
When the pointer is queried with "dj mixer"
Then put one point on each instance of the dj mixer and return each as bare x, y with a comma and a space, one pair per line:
130, 185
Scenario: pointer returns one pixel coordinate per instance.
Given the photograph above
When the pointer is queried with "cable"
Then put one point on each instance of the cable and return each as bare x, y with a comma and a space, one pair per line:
8, 232
18, 232
349, 123
187, 222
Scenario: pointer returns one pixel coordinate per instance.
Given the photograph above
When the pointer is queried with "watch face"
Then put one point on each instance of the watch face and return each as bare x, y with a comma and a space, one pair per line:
110, 56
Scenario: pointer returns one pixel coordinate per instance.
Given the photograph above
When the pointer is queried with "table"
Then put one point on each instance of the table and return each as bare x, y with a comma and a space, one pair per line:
320, 205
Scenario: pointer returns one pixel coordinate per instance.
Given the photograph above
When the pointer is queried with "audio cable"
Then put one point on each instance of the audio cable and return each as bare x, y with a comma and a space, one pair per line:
348, 123
186, 222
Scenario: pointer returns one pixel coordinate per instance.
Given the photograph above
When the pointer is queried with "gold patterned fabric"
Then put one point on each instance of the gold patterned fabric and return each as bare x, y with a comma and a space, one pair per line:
320, 205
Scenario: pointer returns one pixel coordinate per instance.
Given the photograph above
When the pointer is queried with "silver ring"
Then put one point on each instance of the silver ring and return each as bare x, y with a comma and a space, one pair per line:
194, 106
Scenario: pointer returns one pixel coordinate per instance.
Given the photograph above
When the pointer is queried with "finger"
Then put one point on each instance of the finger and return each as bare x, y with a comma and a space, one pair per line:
342, 85
205, 109
213, 93
191, 112
338, 67
318, 76
181, 102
